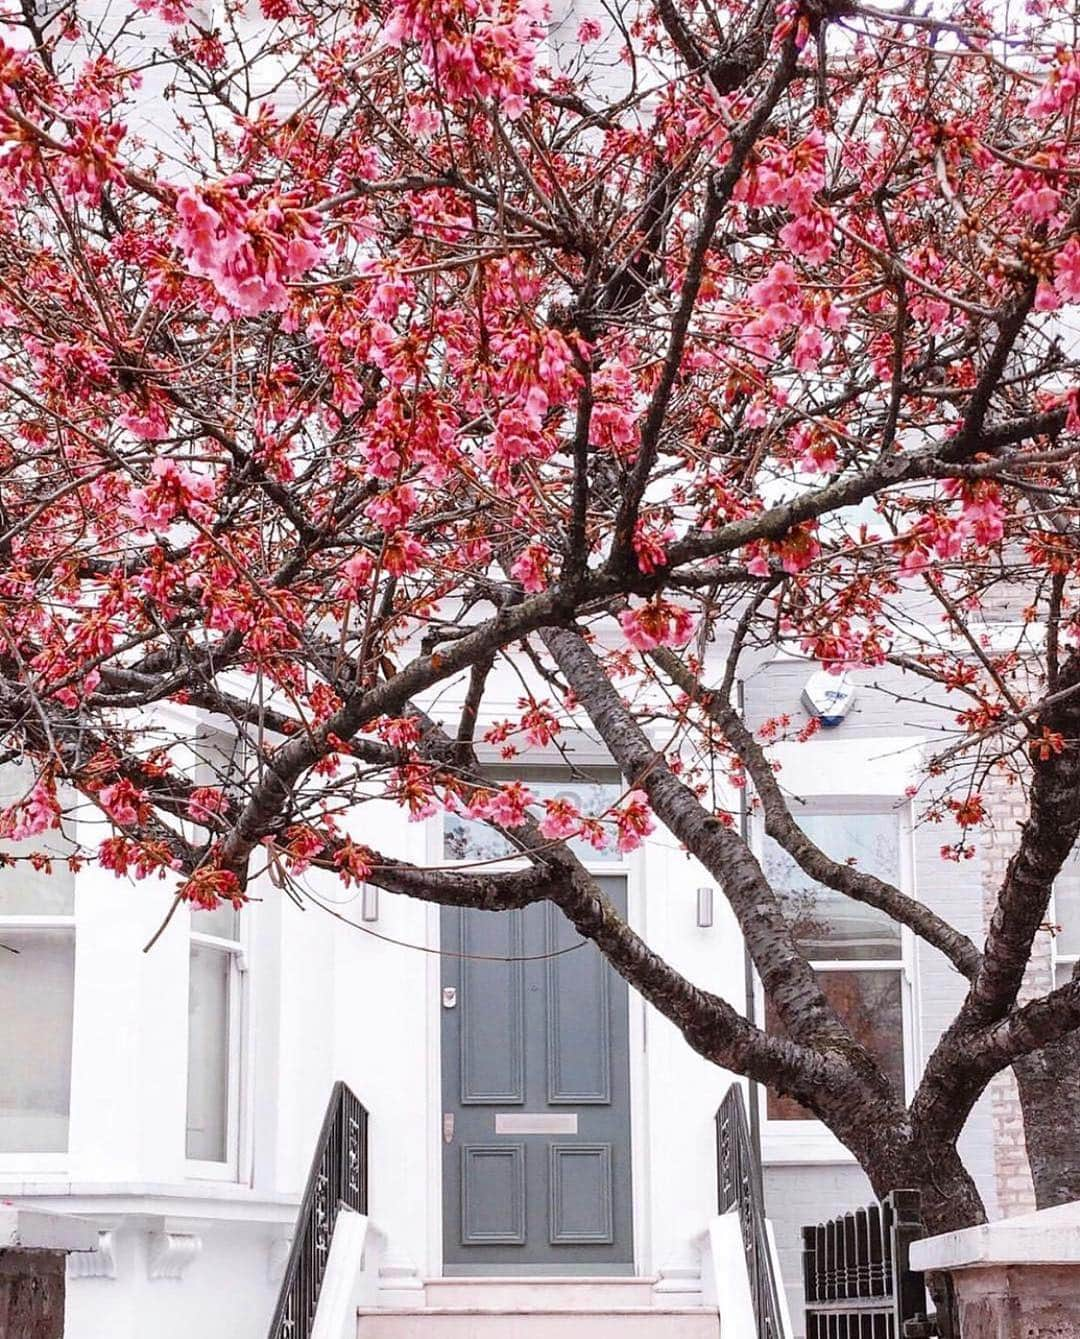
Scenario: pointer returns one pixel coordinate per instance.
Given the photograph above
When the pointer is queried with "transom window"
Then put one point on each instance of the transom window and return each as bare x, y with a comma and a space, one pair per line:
469, 839
856, 951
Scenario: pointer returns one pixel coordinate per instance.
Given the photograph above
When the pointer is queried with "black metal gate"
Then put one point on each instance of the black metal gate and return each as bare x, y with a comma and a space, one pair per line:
857, 1276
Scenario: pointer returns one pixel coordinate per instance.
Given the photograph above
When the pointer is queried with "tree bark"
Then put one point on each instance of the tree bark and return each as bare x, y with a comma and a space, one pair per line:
1049, 1084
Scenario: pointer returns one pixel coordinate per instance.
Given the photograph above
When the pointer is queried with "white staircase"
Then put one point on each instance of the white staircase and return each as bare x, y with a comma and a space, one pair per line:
540, 1308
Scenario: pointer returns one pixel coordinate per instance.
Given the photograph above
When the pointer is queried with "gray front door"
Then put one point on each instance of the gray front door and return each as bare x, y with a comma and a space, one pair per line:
536, 1097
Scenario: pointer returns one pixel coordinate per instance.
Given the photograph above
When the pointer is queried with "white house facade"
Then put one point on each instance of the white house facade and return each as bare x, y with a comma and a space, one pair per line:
529, 1117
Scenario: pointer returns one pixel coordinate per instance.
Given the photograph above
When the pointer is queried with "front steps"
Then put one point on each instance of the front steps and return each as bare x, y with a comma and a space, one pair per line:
539, 1308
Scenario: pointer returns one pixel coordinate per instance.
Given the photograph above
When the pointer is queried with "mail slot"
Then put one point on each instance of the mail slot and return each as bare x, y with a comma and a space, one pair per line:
536, 1122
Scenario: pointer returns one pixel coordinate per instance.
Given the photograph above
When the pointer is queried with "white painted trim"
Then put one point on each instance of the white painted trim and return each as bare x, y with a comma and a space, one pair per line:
205, 1202
637, 904
240, 1045
21, 924
1046, 1237
35, 1164
725, 1281
171, 1254
342, 1284
38, 1230
100, 1263
813, 1144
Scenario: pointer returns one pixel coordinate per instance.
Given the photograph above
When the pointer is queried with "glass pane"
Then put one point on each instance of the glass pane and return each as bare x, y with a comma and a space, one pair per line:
469, 839
828, 924
871, 1004
223, 922
24, 890
208, 1055
1067, 906
1063, 973
37, 973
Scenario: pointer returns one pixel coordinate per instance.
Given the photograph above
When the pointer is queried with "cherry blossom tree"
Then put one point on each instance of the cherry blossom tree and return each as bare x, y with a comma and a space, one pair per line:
352, 352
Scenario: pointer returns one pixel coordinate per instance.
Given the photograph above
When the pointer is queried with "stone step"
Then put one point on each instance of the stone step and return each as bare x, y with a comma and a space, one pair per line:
562, 1293
636, 1322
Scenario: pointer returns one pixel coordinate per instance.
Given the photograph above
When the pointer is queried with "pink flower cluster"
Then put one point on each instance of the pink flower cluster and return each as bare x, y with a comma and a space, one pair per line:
633, 821
206, 802
356, 574
792, 179
122, 801
34, 814
1067, 271
531, 567
173, 492
508, 806
658, 623
795, 552
248, 249
981, 519
651, 545
89, 162
1061, 88
479, 48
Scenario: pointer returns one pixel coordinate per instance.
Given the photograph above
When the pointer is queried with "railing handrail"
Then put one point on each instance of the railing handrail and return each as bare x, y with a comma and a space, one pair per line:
338, 1177
738, 1172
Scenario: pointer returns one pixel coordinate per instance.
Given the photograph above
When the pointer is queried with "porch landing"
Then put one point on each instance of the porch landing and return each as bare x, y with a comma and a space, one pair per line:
540, 1308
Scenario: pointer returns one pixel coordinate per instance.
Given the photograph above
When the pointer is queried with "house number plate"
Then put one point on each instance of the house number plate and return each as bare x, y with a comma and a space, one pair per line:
535, 1122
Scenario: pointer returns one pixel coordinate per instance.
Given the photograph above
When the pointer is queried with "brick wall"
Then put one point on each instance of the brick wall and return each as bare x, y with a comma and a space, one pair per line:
1007, 808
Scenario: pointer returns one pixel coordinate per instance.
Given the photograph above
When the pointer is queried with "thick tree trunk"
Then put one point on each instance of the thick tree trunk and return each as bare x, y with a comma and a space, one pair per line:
1049, 1084
949, 1201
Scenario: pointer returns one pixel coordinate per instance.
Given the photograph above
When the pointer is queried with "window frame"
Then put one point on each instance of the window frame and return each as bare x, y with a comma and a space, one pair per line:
237, 1049
1057, 958
239, 1040
792, 1141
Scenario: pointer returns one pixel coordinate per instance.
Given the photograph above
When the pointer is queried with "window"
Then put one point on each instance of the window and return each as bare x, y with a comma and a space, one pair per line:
1066, 941
857, 952
215, 1006
470, 839
37, 977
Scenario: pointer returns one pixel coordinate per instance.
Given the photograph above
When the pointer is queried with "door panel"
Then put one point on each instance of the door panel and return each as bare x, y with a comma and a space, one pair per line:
536, 1097
492, 1004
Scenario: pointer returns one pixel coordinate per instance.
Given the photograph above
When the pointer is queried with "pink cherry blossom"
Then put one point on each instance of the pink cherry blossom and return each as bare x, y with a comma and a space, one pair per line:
560, 820
531, 567
173, 492
633, 821
509, 805
122, 801
356, 573
658, 623
35, 814
1067, 271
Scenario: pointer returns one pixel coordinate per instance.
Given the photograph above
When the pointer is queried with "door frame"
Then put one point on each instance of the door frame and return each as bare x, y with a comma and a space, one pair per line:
631, 868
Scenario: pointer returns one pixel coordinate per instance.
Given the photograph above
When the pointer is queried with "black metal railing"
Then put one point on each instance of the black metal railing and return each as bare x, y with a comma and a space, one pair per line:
338, 1177
857, 1277
739, 1186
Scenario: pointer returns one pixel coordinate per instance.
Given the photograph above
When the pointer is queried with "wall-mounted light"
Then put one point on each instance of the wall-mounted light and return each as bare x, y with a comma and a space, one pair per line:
704, 907
369, 903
